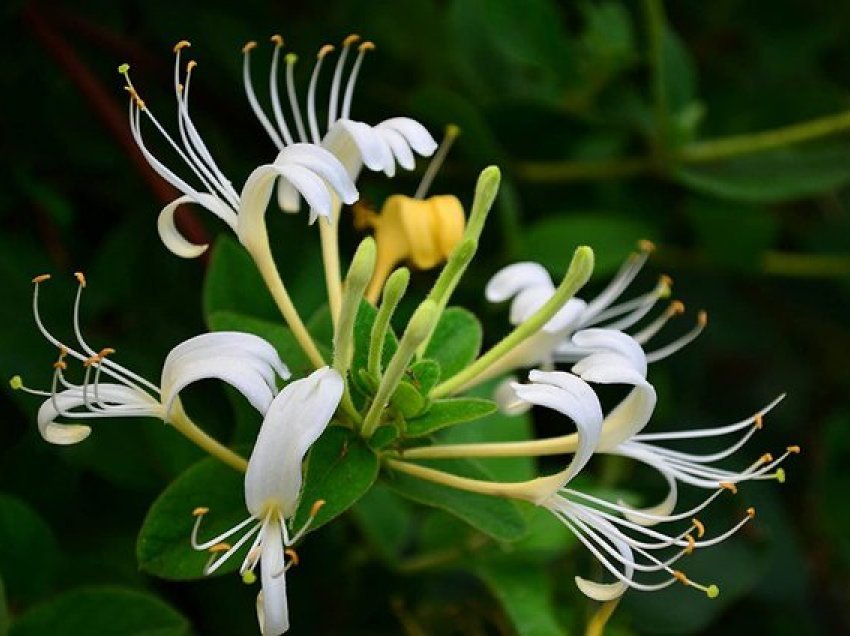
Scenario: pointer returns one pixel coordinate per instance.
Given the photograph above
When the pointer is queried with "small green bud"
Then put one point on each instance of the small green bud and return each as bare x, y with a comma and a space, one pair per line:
362, 265
421, 322
395, 287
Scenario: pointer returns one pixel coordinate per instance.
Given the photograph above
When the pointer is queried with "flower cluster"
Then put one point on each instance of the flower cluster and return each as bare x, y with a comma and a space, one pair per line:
599, 339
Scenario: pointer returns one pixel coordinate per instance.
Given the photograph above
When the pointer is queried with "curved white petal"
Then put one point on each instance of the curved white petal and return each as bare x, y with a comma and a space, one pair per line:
356, 144
399, 147
527, 301
64, 401
295, 419
288, 199
511, 279
272, 605
574, 398
416, 135
171, 236
507, 399
599, 339
324, 164
243, 360
567, 317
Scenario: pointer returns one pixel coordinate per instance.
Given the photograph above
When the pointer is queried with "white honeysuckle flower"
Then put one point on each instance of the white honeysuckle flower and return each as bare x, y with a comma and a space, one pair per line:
529, 286
630, 552
305, 168
294, 421
245, 361
613, 357
354, 143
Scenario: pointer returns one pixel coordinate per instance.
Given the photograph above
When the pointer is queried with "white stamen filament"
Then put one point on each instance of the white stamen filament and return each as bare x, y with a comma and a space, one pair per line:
252, 96
311, 94
290, 60
673, 347
352, 79
337, 79
275, 96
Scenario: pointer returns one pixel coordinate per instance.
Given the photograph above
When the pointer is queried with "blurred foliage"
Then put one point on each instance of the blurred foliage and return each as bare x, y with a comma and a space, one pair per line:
714, 129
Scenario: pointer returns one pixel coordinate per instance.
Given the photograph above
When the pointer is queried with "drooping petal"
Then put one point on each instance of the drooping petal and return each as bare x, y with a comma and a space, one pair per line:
356, 144
272, 605
171, 236
295, 419
574, 398
608, 591
614, 341
141, 403
399, 147
288, 198
509, 280
416, 135
243, 360
324, 164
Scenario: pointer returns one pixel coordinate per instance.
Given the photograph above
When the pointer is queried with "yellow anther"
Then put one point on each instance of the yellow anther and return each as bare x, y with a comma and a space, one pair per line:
665, 281
702, 318
81, 278
794, 450
314, 509
124, 68
293, 556
249, 46
277, 38
220, 547
249, 578
758, 420
366, 46
60, 365
182, 44
106, 351
780, 475
728, 485
327, 48
676, 307
680, 576
699, 526
199, 512
712, 591
645, 245
41, 278
63, 351
351, 39
766, 458
190, 65
290, 58
692, 544
91, 361
751, 513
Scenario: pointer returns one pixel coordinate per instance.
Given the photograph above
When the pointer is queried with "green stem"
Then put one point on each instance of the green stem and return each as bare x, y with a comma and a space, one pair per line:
806, 265
528, 448
577, 275
560, 171
191, 431
418, 327
655, 26
765, 140
394, 289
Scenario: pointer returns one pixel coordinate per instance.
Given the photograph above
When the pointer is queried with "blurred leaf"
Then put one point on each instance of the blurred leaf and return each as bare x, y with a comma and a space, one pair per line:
608, 36
526, 596
743, 249
234, 284
279, 336
163, 548
547, 537
385, 519
832, 486
407, 400
426, 373
340, 469
5, 619
29, 554
456, 341
448, 412
552, 240
105, 611
498, 518
772, 177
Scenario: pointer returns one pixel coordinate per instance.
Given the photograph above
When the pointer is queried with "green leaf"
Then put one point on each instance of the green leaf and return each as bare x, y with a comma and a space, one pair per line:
449, 412
771, 177
234, 284
105, 611
163, 547
526, 596
425, 374
362, 337
551, 240
384, 436
386, 520
277, 334
407, 400
496, 517
340, 469
29, 554
456, 341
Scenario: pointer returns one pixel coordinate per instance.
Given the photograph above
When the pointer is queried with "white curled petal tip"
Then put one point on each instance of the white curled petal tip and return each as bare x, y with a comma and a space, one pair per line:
399, 147
510, 280
171, 236
414, 133
324, 164
600, 591
600, 339
507, 400
348, 136
312, 187
59, 434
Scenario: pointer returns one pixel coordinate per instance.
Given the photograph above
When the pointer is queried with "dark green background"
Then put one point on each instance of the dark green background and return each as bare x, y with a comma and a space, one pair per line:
760, 240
